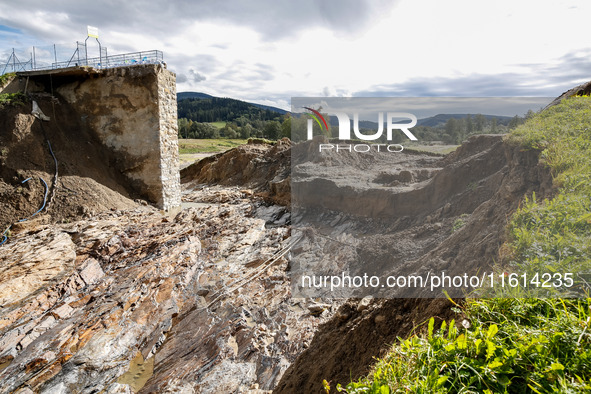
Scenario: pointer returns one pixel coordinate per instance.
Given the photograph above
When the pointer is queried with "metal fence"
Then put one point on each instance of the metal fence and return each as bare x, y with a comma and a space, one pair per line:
59, 56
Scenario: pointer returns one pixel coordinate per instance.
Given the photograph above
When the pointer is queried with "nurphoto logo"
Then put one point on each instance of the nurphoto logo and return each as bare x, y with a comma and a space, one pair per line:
345, 131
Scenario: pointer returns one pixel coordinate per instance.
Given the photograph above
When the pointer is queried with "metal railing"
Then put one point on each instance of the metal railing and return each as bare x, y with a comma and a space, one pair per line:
126, 59
52, 61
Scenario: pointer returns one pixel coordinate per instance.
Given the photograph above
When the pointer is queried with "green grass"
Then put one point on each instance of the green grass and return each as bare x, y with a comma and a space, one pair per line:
219, 125
5, 78
517, 345
13, 99
511, 346
459, 222
188, 146
555, 235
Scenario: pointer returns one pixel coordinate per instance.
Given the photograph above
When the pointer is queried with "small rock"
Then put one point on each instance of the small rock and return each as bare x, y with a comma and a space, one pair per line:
31, 225
317, 308
62, 312
405, 176
342, 315
364, 303
91, 271
39, 329
335, 221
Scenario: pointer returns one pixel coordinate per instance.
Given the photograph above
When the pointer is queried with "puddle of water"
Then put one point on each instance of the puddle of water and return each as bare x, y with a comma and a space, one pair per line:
139, 372
5, 362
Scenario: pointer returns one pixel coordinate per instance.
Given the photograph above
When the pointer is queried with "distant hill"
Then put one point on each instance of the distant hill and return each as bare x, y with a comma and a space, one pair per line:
186, 95
274, 109
441, 119
201, 107
432, 121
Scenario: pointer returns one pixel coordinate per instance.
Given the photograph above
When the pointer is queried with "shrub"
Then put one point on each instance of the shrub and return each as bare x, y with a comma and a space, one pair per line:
504, 346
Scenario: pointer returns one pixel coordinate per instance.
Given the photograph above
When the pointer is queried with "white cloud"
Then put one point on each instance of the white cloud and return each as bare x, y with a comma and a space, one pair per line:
269, 50
196, 76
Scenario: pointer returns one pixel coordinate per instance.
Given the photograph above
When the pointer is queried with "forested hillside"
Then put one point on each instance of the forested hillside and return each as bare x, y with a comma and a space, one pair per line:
203, 116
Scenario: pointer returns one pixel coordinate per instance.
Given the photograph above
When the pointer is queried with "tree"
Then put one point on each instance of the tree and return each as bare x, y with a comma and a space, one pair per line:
286, 128
246, 131
479, 122
453, 131
272, 130
184, 127
299, 128
514, 122
231, 134
493, 125
469, 125
229, 131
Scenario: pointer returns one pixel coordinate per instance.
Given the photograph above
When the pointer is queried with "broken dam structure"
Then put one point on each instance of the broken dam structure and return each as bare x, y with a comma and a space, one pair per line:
116, 126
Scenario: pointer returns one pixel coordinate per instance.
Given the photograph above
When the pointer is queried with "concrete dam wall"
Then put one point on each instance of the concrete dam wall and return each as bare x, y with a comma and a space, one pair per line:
132, 113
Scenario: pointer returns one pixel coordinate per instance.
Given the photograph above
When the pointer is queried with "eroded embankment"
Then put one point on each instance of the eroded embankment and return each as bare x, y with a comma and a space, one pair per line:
263, 168
87, 182
481, 184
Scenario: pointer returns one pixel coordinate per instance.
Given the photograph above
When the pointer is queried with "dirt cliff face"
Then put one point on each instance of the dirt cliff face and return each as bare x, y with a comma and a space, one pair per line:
87, 183
499, 176
130, 112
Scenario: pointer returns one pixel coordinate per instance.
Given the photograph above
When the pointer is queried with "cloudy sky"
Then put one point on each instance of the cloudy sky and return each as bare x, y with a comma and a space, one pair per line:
270, 50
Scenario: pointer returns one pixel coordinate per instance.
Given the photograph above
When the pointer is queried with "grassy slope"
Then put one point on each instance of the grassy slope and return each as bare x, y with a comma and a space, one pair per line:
518, 345
219, 125
4, 79
10, 98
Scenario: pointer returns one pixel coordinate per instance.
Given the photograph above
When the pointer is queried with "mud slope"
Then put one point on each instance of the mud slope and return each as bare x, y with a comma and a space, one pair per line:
482, 183
261, 167
87, 184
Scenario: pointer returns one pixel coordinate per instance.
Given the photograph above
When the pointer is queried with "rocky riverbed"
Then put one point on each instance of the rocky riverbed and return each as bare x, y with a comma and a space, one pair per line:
137, 301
